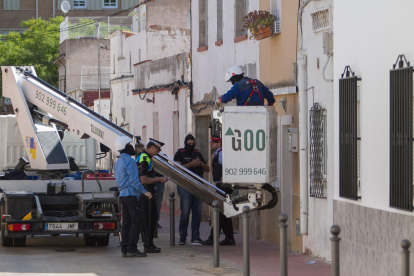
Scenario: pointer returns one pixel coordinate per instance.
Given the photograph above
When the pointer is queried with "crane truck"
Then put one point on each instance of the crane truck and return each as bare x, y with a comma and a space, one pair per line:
53, 206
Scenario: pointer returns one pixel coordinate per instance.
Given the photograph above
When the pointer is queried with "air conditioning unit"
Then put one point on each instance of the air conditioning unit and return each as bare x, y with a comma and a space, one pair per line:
276, 27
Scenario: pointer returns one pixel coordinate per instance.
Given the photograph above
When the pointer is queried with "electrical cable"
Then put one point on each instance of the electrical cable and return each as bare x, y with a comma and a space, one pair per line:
324, 68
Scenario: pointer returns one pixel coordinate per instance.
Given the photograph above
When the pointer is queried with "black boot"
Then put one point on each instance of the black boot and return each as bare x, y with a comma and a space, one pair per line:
151, 249
228, 241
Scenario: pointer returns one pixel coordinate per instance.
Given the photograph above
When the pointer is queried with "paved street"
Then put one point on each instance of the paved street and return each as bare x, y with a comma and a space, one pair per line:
68, 256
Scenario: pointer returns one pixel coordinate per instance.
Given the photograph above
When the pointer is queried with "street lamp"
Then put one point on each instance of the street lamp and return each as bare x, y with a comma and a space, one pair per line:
100, 46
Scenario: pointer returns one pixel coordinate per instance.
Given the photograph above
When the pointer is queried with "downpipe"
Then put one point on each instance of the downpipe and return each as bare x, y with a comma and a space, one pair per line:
303, 142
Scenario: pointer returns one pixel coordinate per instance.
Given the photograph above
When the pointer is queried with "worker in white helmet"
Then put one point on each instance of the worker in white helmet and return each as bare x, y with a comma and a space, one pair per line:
130, 191
247, 91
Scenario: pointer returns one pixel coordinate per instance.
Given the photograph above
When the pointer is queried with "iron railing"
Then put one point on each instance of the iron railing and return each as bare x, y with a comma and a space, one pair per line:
401, 135
348, 122
316, 151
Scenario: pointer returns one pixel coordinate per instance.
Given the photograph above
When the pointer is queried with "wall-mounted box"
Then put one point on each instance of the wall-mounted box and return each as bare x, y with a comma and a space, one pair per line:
293, 140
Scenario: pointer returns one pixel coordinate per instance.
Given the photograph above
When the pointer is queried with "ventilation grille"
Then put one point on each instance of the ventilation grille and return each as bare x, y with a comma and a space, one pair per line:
321, 20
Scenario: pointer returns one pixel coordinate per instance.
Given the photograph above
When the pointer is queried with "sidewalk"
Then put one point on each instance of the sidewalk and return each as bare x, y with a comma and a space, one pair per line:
264, 256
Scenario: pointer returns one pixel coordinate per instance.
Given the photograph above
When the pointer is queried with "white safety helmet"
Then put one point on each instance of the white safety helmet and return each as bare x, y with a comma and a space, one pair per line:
233, 71
121, 142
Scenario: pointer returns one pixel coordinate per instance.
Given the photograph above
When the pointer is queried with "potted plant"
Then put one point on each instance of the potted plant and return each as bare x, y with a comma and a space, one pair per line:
259, 23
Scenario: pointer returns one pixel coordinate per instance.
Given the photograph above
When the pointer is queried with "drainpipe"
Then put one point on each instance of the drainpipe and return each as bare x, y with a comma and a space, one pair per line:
189, 95
303, 142
54, 8
37, 9
190, 79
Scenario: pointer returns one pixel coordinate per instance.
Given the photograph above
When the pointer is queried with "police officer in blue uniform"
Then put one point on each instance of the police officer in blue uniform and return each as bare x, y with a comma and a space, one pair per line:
148, 178
247, 91
130, 191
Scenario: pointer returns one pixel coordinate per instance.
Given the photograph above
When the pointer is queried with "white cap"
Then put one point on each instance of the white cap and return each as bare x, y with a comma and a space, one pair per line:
121, 142
233, 71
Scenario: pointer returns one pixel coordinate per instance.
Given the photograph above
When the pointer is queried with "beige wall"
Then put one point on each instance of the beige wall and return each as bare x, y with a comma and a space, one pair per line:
278, 53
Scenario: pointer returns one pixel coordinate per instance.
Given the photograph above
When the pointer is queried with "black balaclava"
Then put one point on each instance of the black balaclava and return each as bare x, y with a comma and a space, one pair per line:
187, 147
129, 149
236, 78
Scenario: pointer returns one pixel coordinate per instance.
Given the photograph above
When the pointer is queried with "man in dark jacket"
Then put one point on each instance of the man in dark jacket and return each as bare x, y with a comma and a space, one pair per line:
191, 159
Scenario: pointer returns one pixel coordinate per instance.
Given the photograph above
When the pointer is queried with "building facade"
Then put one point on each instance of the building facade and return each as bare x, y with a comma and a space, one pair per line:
12, 12
316, 124
373, 195
149, 75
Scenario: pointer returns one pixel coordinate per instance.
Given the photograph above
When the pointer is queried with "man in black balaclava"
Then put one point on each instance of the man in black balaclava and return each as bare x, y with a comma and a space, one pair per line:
191, 159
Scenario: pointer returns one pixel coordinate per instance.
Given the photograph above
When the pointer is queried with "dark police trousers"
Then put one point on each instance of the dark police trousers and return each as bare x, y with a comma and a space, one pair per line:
150, 216
225, 223
131, 222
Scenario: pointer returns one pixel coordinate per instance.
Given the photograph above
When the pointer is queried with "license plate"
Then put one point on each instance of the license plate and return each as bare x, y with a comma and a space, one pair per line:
61, 226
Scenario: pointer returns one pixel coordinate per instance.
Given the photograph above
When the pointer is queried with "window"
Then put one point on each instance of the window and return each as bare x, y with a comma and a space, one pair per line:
203, 23
348, 135
11, 5
219, 20
317, 150
80, 4
321, 20
110, 4
401, 135
241, 9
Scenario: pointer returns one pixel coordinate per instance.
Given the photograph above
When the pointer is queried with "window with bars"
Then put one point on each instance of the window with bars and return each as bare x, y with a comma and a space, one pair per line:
401, 135
317, 151
110, 4
348, 135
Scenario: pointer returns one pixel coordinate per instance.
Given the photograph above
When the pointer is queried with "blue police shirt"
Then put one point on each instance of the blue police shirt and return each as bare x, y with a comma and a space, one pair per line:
127, 178
242, 89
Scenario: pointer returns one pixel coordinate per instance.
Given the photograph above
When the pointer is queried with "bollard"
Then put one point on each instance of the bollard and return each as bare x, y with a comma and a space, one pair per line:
283, 218
216, 232
156, 226
405, 244
172, 219
246, 235
335, 230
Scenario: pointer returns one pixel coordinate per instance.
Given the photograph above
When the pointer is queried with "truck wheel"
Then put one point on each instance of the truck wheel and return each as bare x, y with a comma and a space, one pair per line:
20, 242
6, 242
102, 241
89, 241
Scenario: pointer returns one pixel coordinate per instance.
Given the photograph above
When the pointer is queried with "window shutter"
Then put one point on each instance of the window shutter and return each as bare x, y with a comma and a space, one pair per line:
94, 4
11, 4
70, 3
126, 4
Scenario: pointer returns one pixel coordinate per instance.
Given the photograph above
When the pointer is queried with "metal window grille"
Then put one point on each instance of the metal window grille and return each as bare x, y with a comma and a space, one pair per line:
401, 135
321, 20
316, 150
348, 120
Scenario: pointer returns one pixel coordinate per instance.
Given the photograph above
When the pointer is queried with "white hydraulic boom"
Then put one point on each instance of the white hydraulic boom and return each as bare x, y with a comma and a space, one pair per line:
42, 110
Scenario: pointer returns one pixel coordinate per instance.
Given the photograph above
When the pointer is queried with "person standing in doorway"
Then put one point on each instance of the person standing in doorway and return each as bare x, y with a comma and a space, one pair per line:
191, 159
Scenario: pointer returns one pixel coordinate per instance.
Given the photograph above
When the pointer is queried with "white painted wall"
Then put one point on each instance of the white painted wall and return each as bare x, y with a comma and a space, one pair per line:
320, 210
368, 37
209, 67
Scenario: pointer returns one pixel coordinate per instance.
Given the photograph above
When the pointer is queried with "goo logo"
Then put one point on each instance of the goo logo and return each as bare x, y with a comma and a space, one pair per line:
249, 138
